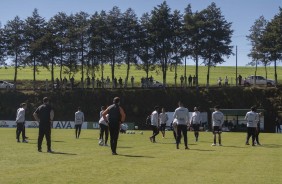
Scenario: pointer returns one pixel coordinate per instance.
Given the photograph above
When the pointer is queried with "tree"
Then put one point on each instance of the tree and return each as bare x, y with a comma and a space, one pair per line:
97, 53
162, 34
257, 53
217, 37
33, 32
14, 39
193, 37
177, 41
2, 47
145, 45
272, 40
130, 27
60, 23
81, 27
114, 40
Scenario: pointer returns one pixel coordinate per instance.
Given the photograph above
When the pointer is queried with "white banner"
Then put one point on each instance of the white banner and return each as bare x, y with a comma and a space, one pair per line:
35, 124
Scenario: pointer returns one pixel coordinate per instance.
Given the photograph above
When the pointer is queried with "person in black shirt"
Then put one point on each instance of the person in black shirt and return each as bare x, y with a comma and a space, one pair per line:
116, 117
44, 114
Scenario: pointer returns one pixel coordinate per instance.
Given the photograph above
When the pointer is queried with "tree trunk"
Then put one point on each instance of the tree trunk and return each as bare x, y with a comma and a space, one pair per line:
16, 71
185, 74
34, 73
127, 72
275, 73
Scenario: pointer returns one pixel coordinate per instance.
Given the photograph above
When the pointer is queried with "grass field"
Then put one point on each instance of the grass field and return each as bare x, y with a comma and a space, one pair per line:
139, 161
216, 72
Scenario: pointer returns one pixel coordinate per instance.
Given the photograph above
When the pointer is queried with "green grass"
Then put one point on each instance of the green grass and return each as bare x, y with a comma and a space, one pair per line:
216, 72
139, 161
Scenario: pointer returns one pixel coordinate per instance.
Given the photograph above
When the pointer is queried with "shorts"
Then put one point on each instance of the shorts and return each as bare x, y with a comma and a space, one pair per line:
217, 130
196, 127
163, 127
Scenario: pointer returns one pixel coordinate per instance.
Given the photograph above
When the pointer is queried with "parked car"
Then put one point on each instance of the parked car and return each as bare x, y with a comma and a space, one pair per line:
156, 84
6, 85
259, 80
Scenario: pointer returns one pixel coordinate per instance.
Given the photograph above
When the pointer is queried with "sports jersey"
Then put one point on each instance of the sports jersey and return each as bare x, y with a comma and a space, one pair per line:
196, 118
163, 118
217, 118
155, 118
20, 115
182, 115
102, 121
79, 118
252, 119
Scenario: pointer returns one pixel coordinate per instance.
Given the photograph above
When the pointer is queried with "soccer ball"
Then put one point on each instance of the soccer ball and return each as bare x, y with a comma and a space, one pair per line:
141, 133
101, 142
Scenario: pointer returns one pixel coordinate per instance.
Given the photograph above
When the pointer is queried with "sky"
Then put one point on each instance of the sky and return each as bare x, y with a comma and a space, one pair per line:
241, 13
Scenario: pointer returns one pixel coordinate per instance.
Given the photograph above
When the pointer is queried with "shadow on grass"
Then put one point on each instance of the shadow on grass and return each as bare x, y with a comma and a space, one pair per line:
61, 153
58, 141
236, 146
192, 149
270, 146
124, 147
136, 156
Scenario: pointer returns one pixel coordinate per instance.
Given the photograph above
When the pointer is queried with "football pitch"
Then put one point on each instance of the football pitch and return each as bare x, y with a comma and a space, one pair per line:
83, 161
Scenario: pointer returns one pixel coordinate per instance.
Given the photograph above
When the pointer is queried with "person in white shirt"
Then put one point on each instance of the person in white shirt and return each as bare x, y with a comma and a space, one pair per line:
155, 124
217, 121
78, 121
252, 119
20, 120
182, 116
163, 120
104, 129
195, 122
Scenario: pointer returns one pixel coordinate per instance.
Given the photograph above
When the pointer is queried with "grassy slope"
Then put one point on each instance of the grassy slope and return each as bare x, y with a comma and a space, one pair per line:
139, 161
216, 72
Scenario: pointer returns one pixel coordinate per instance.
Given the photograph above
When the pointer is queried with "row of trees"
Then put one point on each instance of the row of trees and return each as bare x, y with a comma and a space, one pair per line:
266, 40
85, 43
80, 42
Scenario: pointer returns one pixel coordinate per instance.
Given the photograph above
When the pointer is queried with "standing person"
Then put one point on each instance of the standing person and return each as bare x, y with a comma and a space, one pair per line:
277, 124
226, 81
182, 116
20, 120
116, 117
103, 108
163, 119
217, 121
78, 121
195, 122
155, 124
190, 80
44, 115
258, 129
252, 119
104, 129
240, 80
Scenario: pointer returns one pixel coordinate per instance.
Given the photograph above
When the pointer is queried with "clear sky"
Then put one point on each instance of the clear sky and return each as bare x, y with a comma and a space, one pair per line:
242, 13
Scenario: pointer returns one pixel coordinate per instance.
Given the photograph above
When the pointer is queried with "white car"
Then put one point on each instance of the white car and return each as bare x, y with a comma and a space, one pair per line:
6, 85
259, 80
156, 84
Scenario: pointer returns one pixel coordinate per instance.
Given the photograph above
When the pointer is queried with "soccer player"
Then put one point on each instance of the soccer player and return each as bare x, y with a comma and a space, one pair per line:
44, 115
217, 121
252, 119
163, 119
78, 121
20, 120
182, 116
195, 122
104, 129
116, 117
258, 129
155, 124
